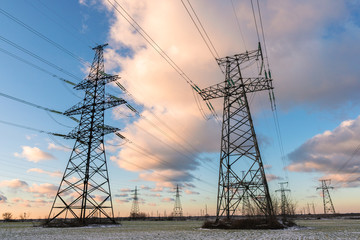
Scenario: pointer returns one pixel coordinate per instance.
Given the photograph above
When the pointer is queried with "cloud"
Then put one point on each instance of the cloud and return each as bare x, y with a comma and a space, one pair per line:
14, 184
122, 195
191, 192
145, 187
60, 148
292, 36
333, 153
52, 174
167, 199
16, 200
272, 177
125, 190
45, 189
3, 198
34, 154
155, 195
122, 201
157, 189
165, 178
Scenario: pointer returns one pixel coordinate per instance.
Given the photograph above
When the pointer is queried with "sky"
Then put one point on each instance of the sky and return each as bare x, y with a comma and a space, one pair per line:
313, 56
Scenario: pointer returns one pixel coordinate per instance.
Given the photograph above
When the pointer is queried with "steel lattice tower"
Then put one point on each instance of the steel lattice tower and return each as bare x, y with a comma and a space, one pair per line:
284, 201
328, 205
84, 193
135, 211
239, 146
177, 212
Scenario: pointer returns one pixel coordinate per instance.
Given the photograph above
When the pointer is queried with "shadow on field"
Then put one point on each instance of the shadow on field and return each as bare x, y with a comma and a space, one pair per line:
249, 223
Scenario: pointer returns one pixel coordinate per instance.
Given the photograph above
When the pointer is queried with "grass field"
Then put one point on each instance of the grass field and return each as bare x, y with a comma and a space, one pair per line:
310, 229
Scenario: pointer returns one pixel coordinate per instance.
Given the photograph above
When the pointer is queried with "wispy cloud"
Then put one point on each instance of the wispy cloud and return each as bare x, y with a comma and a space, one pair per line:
39, 170
60, 148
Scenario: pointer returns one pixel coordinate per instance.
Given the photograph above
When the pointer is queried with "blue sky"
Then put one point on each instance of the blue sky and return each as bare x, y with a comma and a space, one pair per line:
313, 55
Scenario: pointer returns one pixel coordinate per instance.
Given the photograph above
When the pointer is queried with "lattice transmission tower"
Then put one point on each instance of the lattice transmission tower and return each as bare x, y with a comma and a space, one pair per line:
284, 201
177, 212
328, 205
84, 195
239, 146
135, 210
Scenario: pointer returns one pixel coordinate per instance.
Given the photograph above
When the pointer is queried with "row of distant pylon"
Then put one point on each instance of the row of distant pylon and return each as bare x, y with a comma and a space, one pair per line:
135, 209
327, 202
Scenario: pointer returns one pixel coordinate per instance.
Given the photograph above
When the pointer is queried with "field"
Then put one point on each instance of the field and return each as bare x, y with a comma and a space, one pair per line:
310, 229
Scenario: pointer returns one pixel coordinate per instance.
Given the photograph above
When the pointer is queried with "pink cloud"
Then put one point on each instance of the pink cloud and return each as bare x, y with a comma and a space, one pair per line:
52, 174
14, 184
60, 148
272, 177
191, 192
155, 195
167, 199
125, 190
45, 189
16, 200
34, 154
121, 201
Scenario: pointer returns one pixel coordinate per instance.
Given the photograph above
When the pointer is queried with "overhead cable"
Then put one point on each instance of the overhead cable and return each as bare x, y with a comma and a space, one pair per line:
37, 33
157, 48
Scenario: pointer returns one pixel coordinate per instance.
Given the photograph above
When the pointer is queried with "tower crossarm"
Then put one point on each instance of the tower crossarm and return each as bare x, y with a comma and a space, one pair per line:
233, 88
109, 102
240, 58
101, 80
80, 134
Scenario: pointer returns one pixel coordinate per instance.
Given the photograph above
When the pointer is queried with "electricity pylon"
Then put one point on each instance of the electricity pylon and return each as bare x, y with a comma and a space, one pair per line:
135, 210
239, 146
284, 201
328, 205
177, 212
84, 192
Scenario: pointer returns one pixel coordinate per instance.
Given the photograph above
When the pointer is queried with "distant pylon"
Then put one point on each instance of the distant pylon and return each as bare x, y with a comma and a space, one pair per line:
328, 205
313, 208
239, 145
177, 212
284, 202
84, 193
135, 211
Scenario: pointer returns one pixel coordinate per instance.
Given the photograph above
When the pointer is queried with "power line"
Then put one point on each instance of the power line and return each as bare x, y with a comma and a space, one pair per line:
38, 57
256, 26
54, 13
206, 38
37, 67
263, 34
37, 106
238, 24
159, 119
150, 155
158, 49
30, 128
37, 33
